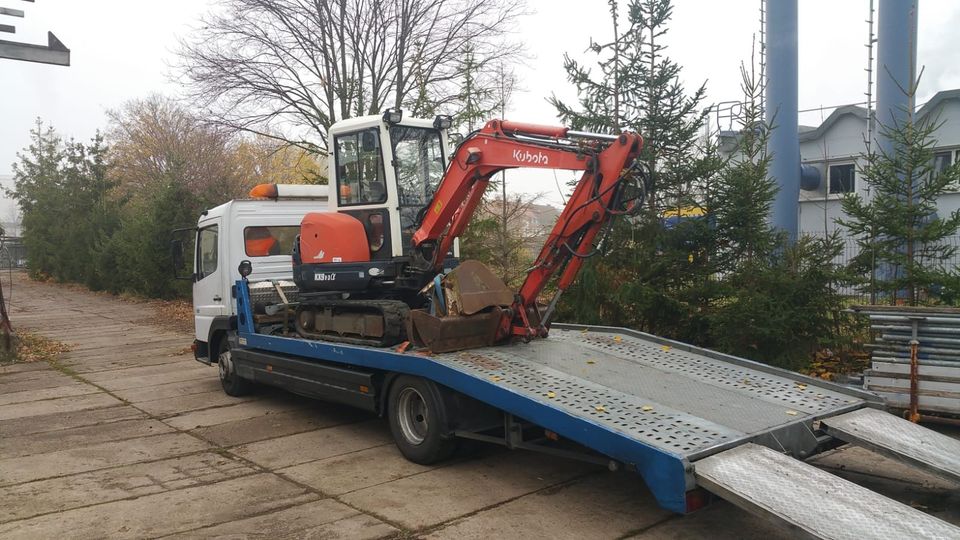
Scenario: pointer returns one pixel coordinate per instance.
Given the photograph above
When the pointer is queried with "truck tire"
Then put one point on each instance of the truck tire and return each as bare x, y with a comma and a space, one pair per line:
232, 383
417, 418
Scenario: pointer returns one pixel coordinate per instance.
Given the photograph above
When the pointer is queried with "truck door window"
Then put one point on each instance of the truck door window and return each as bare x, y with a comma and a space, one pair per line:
360, 177
207, 251
265, 241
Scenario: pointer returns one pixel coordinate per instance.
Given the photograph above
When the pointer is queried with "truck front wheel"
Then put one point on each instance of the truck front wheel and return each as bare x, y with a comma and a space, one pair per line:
417, 421
233, 384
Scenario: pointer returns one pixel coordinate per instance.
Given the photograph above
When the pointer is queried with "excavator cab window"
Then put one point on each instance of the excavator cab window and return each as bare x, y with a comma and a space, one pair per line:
419, 164
360, 176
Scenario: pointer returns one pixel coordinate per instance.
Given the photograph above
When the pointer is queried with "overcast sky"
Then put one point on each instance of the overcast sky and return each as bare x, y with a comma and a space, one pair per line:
121, 49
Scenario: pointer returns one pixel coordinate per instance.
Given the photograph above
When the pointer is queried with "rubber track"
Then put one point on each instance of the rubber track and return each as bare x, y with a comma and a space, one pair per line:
394, 313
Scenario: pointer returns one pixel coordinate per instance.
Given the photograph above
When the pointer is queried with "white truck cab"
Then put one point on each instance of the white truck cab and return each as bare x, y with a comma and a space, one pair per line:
259, 230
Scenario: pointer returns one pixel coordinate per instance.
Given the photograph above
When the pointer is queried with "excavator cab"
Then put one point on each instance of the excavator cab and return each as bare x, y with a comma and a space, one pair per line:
385, 169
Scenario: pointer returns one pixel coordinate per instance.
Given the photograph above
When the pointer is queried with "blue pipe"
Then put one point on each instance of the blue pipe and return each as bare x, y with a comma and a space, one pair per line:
896, 53
781, 113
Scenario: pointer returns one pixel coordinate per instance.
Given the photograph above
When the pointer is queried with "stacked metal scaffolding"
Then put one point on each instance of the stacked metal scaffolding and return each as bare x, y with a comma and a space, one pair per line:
915, 357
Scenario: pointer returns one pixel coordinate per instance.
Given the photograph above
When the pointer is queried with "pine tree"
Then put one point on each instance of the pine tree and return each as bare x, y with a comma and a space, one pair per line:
36, 178
639, 88
653, 274
900, 234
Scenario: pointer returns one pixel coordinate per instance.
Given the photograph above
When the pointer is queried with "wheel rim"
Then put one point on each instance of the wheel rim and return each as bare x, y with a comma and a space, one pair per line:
412, 415
225, 365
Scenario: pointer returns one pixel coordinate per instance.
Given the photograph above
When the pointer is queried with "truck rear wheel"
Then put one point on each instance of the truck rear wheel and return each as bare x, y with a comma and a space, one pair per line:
233, 384
418, 421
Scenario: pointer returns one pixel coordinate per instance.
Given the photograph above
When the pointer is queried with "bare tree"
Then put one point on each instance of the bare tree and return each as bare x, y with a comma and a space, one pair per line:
298, 66
156, 140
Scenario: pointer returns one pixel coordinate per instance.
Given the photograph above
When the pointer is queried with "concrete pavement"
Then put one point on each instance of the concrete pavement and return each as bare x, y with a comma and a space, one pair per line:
128, 437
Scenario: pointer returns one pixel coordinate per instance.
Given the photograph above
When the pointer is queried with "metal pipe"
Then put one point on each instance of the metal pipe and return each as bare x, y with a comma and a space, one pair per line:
923, 362
913, 414
896, 61
781, 112
588, 135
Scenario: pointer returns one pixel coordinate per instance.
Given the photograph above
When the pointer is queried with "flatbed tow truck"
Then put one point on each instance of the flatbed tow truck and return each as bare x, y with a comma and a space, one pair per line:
689, 421
682, 417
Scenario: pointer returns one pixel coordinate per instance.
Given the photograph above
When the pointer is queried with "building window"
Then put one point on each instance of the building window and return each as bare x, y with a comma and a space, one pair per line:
842, 178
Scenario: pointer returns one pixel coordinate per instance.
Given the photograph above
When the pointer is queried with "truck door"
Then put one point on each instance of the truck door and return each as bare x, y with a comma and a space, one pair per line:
209, 299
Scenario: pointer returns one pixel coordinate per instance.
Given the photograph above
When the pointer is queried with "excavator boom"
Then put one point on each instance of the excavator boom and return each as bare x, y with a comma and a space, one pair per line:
607, 162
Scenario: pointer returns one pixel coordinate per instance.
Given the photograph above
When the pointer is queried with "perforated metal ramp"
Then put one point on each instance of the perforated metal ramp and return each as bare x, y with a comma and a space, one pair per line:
897, 438
668, 395
810, 500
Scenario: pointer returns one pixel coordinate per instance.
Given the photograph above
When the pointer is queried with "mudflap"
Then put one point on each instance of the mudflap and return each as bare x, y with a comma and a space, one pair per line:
454, 333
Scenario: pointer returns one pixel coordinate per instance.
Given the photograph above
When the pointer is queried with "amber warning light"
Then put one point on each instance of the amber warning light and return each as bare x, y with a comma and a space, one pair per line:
289, 191
264, 191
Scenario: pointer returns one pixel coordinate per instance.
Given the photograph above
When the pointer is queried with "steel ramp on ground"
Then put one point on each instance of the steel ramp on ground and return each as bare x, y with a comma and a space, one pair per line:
899, 439
811, 501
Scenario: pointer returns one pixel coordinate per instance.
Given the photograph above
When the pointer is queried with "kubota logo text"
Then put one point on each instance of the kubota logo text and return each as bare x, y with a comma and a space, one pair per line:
526, 156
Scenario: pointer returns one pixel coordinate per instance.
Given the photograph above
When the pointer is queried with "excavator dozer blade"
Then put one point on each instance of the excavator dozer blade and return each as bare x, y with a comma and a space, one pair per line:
454, 333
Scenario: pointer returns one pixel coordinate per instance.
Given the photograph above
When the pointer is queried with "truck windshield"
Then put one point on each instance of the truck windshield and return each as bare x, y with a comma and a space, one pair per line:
419, 164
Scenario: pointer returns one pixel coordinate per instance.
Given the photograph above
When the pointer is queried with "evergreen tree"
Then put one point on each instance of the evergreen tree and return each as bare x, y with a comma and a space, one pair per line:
900, 234
639, 88
36, 180
653, 274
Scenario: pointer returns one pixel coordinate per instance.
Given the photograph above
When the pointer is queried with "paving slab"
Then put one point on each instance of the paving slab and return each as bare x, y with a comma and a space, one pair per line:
230, 413
319, 519
34, 380
96, 456
67, 420
314, 445
171, 390
279, 424
719, 521
446, 493
171, 406
177, 374
50, 441
96, 487
23, 367
164, 513
58, 405
355, 471
100, 364
104, 377
25, 396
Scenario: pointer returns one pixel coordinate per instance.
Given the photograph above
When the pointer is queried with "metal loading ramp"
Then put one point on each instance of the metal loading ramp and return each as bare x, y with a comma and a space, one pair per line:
811, 501
899, 439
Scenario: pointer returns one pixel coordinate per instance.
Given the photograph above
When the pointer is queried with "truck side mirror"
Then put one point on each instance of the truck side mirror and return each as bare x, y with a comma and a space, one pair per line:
177, 255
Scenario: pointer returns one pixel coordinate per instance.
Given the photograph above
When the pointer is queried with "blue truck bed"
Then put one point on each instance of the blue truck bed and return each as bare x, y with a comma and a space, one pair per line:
649, 403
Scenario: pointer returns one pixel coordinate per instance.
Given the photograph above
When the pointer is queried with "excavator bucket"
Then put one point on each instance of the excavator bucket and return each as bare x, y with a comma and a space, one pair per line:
468, 307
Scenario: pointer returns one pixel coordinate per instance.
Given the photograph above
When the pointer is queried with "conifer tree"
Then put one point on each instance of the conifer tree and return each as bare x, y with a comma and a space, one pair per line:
898, 228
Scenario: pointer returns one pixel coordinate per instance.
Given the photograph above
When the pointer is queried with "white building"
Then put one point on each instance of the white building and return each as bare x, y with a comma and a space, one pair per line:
835, 148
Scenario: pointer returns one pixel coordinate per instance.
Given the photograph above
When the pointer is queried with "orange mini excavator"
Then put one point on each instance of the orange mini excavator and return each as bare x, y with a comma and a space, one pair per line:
381, 267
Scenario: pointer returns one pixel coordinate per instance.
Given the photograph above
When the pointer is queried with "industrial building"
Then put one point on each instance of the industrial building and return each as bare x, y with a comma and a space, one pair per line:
836, 147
